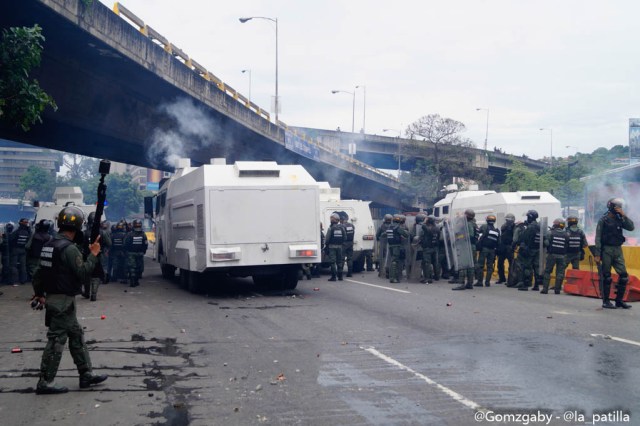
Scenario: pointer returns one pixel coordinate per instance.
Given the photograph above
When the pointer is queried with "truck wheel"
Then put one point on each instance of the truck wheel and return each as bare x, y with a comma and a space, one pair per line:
290, 278
168, 271
184, 278
195, 282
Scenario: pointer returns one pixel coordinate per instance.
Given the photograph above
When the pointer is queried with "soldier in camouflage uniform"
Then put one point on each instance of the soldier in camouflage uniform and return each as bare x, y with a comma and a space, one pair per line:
577, 243
57, 281
473, 238
608, 251
98, 275
17, 243
395, 234
135, 244
556, 243
429, 243
529, 253
505, 250
347, 246
381, 238
487, 243
334, 241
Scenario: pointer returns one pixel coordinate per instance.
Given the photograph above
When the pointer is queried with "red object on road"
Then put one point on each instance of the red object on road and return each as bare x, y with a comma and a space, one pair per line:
16, 350
586, 283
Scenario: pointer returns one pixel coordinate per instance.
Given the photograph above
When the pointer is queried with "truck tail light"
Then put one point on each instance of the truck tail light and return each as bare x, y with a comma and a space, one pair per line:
367, 237
224, 254
303, 251
306, 253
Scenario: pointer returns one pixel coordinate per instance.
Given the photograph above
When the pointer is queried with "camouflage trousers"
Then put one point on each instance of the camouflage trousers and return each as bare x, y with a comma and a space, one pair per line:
486, 256
136, 266
62, 322
336, 259
556, 260
396, 253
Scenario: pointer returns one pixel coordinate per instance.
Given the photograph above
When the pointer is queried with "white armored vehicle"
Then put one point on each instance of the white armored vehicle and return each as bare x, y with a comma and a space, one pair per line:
359, 214
257, 219
64, 196
499, 204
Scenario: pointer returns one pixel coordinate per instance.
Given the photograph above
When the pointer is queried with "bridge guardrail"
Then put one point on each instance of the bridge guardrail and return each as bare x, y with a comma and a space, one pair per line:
177, 53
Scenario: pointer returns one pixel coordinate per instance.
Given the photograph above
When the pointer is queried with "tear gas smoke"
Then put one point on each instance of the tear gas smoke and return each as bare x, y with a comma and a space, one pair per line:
191, 130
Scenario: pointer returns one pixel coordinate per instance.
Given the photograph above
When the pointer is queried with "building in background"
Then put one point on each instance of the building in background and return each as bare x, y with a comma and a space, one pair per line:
634, 140
16, 158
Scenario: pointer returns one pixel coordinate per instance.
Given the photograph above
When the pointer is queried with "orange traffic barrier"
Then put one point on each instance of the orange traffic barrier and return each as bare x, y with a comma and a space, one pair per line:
586, 283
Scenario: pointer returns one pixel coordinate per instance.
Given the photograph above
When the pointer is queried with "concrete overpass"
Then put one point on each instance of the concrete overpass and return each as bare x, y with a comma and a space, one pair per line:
382, 152
109, 76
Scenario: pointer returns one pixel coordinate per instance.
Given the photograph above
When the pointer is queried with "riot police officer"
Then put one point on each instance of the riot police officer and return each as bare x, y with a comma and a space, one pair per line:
35, 244
395, 234
334, 242
608, 251
118, 255
17, 246
505, 250
473, 238
577, 243
556, 243
7, 273
383, 254
98, 275
135, 244
347, 246
429, 243
529, 253
516, 269
59, 278
487, 243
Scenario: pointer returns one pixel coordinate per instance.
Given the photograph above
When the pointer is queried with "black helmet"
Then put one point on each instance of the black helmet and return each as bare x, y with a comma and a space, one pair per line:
532, 215
613, 203
403, 218
121, 226
388, 218
509, 217
9, 227
71, 217
491, 218
397, 218
343, 215
572, 220
43, 225
137, 225
23, 222
420, 217
470, 214
558, 223
431, 220
334, 218
92, 217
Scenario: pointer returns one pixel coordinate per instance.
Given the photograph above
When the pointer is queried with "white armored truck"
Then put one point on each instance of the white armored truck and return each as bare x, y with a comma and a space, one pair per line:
359, 214
257, 219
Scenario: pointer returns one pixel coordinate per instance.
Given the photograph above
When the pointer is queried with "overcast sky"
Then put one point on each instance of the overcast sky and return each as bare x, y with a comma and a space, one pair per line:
570, 66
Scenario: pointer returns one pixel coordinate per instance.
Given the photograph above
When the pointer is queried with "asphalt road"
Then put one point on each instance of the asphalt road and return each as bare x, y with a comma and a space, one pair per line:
357, 352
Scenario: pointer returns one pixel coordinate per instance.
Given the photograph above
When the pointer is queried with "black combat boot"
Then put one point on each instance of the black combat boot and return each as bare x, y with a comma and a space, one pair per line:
478, 284
340, 276
48, 388
88, 379
460, 287
606, 289
487, 284
333, 278
620, 289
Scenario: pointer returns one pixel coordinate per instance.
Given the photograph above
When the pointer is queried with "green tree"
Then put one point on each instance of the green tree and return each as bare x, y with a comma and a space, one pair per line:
22, 101
80, 167
40, 181
123, 196
441, 153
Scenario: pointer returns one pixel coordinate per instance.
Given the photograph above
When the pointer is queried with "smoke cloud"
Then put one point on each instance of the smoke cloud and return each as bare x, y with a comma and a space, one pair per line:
191, 129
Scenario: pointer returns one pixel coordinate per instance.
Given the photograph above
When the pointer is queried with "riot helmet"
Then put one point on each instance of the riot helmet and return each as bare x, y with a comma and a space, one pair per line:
572, 220
121, 226
491, 219
388, 218
343, 216
532, 215
43, 225
24, 222
9, 227
334, 218
397, 218
91, 218
431, 220
71, 218
403, 218
613, 203
420, 217
470, 214
558, 223
509, 217
137, 225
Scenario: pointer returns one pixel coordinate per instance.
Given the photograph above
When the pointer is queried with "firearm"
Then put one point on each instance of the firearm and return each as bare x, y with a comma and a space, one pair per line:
105, 165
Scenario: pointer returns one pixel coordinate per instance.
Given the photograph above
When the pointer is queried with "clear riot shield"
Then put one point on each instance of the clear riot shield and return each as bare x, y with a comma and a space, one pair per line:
381, 255
448, 246
461, 250
416, 259
544, 231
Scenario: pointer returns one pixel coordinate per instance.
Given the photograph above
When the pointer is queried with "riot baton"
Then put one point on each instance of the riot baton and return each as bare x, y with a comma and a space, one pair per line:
105, 165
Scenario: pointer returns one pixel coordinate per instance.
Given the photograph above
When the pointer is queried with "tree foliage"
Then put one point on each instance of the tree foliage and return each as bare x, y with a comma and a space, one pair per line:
441, 153
80, 167
123, 196
22, 101
40, 181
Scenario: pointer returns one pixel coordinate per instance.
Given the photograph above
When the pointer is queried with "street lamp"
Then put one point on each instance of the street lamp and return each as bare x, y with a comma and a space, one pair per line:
398, 139
277, 100
248, 71
486, 135
353, 110
364, 105
551, 139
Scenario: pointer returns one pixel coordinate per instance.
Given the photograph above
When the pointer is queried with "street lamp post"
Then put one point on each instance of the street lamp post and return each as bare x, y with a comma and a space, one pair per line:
364, 106
551, 140
275, 20
398, 139
353, 109
249, 72
486, 135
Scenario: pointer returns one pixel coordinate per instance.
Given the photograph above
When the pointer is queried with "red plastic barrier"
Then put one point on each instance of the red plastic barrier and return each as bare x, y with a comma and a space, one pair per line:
585, 283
